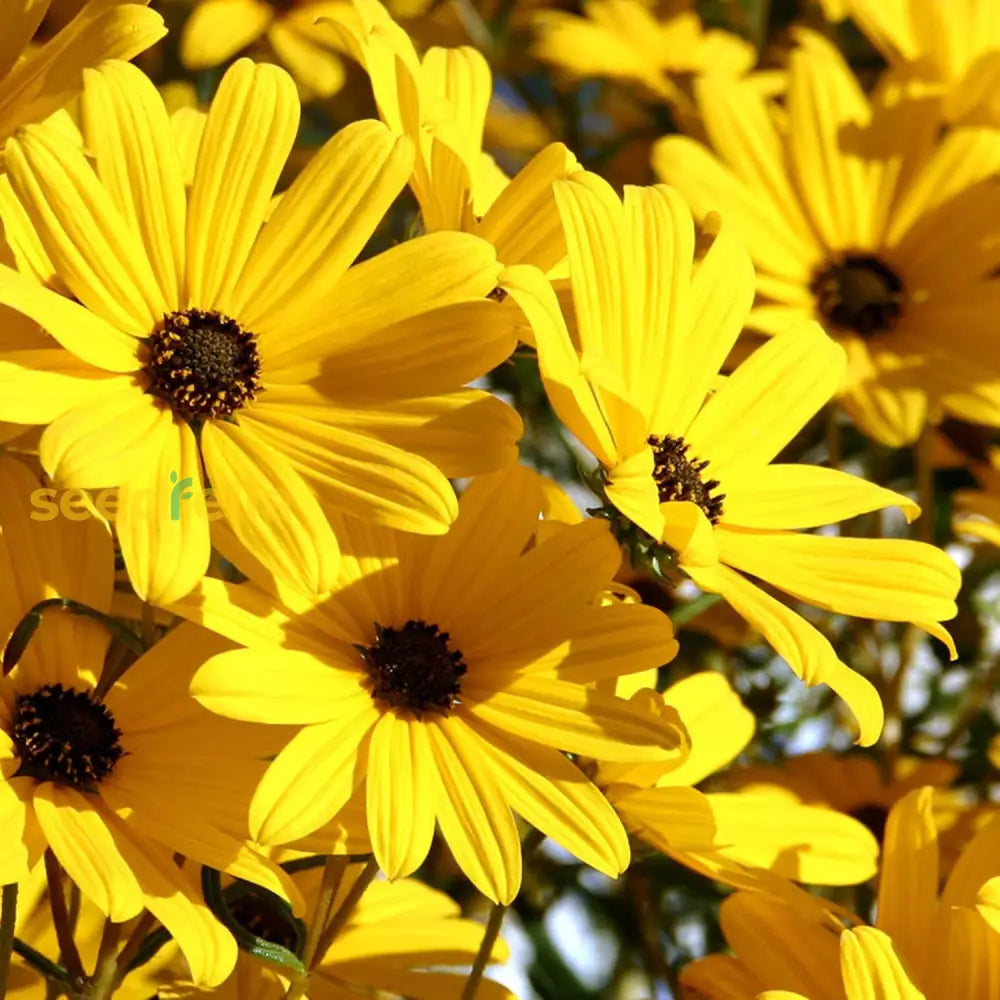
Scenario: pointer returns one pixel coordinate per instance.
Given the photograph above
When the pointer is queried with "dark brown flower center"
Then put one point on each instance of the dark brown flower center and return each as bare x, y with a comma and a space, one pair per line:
204, 364
678, 477
860, 293
264, 916
64, 735
414, 667
874, 817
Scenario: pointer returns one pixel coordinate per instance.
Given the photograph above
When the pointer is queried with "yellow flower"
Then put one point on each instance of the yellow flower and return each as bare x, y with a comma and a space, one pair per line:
204, 336
656, 44
947, 51
739, 839
399, 939
687, 457
859, 215
447, 674
978, 511
219, 29
945, 938
870, 968
441, 102
116, 779
35, 84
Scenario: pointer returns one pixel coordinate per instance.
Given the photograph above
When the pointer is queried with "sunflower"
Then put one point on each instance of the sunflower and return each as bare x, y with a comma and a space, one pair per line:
203, 336
116, 779
398, 940
217, 30
859, 214
945, 938
36, 83
441, 103
659, 45
948, 51
695, 475
446, 675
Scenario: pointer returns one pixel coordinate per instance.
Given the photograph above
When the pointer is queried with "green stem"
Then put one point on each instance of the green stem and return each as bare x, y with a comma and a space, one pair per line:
69, 955
686, 613
8, 915
345, 910
490, 936
44, 965
105, 978
132, 945
333, 875
925, 485
148, 624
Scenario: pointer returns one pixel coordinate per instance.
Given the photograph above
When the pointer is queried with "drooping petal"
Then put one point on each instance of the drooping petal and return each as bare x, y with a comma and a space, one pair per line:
81, 841
267, 504
162, 516
311, 780
802, 647
217, 29
473, 813
400, 793
871, 967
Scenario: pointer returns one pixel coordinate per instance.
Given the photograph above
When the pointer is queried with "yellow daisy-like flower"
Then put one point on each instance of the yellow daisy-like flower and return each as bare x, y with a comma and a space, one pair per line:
35, 84
950, 51
687, 457
739, 839
858, 214
399, 939
203, 335
115, 779
217, 30
441, 102
446, 675
945, 938
656, 44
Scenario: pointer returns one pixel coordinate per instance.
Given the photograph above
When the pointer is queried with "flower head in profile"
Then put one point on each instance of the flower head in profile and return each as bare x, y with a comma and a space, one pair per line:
688, 458
217, 30
440, 101
400, 939
657, 45
446, 676
116, 779
943, 936
864, 215
36, 82
208, 347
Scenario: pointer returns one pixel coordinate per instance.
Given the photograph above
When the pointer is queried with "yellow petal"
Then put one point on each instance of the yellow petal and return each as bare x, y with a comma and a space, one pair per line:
267, 504
86, 848
804, 496
719, 726
316, 69
127, 130
95, 251
162, 516
805, 650
311, 780
473, 813
400, 790
217, 29
871, 968
321, 224
250, 130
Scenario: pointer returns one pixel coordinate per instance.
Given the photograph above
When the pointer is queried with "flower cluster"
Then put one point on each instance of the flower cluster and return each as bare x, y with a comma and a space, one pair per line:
457, 469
